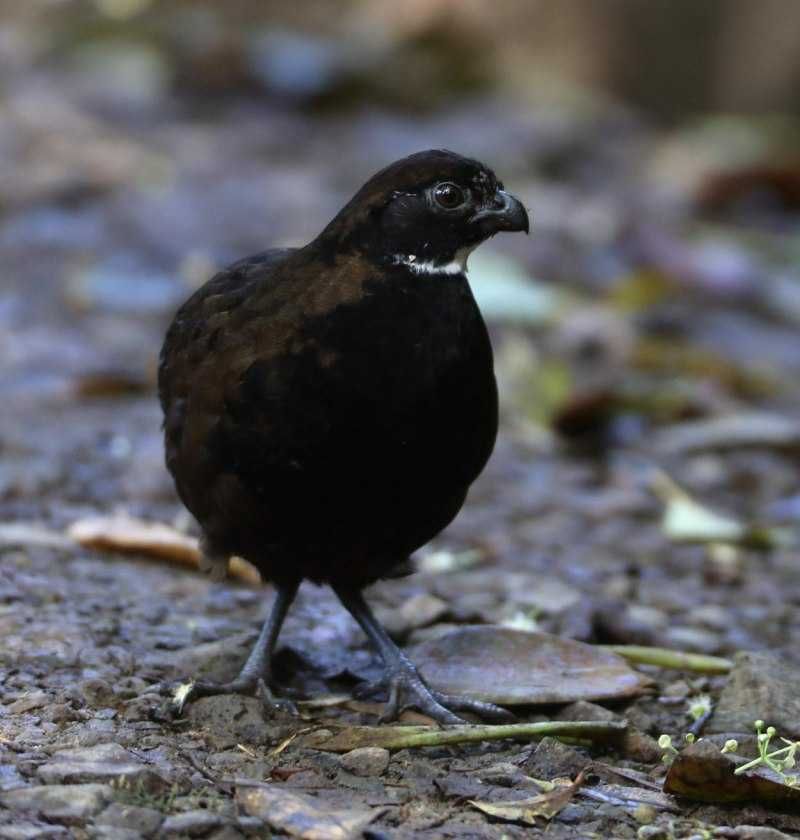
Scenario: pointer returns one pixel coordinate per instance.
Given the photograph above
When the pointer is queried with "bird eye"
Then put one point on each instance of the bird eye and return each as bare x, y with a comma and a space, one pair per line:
448, 195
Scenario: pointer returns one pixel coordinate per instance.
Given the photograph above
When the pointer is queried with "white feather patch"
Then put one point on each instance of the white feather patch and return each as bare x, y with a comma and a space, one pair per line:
458, 265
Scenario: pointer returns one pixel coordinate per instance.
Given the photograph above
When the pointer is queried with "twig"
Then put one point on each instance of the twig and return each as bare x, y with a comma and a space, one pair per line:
401, 737
677, 659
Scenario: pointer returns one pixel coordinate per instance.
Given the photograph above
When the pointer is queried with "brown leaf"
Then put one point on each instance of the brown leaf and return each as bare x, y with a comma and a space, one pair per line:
545, 805
127, 534
300, 816
703, 773
514, 667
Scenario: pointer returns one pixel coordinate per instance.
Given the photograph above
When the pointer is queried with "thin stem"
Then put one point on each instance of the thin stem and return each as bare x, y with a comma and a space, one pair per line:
677, 659
401, 737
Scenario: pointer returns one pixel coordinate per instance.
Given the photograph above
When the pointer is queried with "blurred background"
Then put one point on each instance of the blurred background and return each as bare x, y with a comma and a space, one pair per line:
145, 143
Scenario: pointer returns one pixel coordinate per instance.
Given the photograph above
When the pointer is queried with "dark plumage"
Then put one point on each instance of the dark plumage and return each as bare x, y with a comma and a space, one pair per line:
326, 408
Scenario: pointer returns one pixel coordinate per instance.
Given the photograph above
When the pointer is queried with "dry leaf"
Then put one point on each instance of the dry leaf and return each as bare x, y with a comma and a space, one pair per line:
515, 667
124, 533
545, 805
686, 520
703, 773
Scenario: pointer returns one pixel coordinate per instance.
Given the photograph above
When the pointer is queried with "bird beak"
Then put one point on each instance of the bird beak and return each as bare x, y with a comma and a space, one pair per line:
505, 213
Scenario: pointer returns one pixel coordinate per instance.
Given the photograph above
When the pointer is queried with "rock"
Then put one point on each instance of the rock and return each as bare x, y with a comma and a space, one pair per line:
97, 693
10, 777
32, 831
552, 759
144, 821
142, 707
653, 832
66, 803
218, 661
230, 719
101, 763
34, 700
227, 832
634, 743
111, 832
60, 713
584, 710
250, 825
366, 761
761, 686
691, 639
193, 823
301, 816
421, 610
759, 832
640, 747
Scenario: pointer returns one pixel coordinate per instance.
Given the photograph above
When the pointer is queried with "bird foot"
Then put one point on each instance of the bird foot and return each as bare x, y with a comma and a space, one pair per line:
407, 689
254, 687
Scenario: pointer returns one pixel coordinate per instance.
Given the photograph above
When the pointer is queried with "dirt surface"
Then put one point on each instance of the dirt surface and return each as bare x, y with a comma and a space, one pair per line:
645, 306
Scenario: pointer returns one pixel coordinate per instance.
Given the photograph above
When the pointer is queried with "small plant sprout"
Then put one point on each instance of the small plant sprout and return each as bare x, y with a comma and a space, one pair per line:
778, 760
670, 750
699, 707
665, 742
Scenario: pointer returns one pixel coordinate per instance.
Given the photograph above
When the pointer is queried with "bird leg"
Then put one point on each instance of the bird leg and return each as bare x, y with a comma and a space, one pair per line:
255, 674
406, 686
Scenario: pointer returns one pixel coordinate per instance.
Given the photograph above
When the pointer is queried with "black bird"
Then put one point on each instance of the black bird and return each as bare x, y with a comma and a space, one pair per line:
326, 408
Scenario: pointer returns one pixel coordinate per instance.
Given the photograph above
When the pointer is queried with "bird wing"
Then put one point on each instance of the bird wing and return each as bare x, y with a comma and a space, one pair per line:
199, 326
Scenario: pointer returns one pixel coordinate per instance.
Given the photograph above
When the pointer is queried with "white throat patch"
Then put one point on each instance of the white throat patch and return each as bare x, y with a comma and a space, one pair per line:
458, 265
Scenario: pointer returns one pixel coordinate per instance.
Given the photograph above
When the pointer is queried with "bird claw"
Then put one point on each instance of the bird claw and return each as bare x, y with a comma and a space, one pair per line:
407, 689
481, 708
182, 693
274, 705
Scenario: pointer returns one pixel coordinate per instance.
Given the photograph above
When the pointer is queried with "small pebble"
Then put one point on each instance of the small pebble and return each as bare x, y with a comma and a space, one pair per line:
366, 761
652, 832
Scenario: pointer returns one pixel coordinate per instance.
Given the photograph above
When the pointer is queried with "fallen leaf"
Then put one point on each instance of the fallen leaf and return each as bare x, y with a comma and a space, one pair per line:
686, 520
127, 534
702, 773
545, 805
301, 816
515, 667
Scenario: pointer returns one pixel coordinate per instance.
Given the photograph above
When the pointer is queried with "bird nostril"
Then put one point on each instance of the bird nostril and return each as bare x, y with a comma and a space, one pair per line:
499, 201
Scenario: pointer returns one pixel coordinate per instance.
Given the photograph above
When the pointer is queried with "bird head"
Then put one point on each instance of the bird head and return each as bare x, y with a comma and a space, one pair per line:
428, 210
